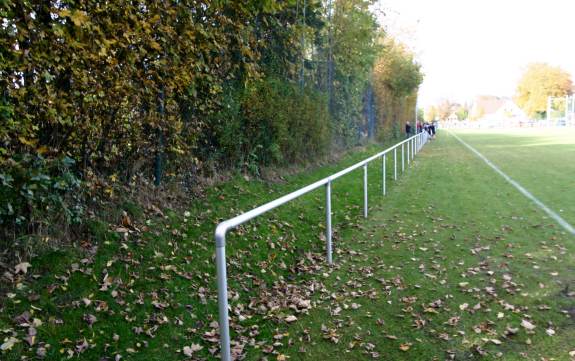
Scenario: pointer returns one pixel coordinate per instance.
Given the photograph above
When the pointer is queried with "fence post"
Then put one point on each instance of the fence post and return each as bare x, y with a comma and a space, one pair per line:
223, 296
407, 146
384, 172
328, 220
365, 190
402, 158
395, 163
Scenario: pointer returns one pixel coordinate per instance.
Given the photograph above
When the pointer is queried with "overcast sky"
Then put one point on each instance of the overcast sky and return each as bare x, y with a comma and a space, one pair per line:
473, 47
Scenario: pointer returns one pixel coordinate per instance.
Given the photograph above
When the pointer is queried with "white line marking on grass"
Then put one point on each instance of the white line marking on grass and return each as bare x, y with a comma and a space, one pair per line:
569, 228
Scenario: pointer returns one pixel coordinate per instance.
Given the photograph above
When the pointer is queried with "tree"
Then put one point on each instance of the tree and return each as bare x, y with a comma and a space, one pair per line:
431, 114
462, 111
540, 81
352, 51
396, 79
444, 109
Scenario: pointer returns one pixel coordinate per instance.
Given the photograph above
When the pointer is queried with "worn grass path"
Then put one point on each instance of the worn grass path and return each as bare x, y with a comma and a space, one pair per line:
454, 264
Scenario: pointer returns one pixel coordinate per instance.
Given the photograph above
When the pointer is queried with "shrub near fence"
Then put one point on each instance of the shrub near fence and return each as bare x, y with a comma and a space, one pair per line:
272, 122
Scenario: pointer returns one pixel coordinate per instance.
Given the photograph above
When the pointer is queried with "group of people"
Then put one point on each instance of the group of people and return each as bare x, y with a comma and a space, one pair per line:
425, 127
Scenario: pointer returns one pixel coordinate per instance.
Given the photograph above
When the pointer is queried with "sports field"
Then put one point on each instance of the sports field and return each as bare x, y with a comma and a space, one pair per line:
541, 160
456, 263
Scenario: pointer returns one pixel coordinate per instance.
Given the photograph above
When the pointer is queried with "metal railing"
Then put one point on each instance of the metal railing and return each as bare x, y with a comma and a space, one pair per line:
411, 146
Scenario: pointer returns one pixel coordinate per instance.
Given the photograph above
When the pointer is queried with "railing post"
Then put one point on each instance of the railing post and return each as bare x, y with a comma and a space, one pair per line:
395, 163
407, 146
384, 172
223, 298
365, 190
402, 158
328, 220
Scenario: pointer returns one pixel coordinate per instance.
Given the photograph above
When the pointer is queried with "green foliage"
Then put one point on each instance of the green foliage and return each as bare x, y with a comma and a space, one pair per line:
354, 51
103, 81
33, 188
123, 88
540, 81
430, 113
396, 78
462, 112
271, 122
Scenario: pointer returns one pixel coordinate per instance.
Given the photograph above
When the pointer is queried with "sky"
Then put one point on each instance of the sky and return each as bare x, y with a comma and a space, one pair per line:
480, 47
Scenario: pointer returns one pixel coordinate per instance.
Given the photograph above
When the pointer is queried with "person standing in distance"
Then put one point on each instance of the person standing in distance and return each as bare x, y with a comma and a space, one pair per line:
407, 129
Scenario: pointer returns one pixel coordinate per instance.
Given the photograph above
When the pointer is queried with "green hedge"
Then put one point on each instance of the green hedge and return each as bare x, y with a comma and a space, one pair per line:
271, 122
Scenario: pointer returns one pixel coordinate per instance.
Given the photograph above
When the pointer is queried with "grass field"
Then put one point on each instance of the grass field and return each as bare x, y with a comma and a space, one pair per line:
453, 263
457, 265
542, 160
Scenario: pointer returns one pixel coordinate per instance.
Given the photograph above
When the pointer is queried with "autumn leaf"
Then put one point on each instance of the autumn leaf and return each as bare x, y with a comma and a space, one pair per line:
189, 350
405, 346
9, 343
22, 267
290, 319
527, 325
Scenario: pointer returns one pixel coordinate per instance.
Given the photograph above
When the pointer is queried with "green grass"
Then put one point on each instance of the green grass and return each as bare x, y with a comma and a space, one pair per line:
450, 219
451, 229
161, 295
541, 160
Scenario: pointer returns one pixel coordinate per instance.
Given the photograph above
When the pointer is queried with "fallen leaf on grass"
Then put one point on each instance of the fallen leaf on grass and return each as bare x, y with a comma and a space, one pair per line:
9, 343
189, 350
527, 325
405, 346
22, 267
90, 319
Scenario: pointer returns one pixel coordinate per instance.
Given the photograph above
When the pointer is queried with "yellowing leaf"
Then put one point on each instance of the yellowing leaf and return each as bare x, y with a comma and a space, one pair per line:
28, 142
405, 346
155, 45
79, 17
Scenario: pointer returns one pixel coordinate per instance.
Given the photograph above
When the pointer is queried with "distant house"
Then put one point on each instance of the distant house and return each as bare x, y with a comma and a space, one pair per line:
493, 108
452, 117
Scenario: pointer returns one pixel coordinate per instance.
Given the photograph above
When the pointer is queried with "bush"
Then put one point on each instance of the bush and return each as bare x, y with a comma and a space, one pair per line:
271, 122
33, 188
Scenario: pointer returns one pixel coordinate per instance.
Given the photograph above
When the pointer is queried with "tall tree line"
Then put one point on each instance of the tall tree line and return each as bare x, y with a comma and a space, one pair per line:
118, 88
